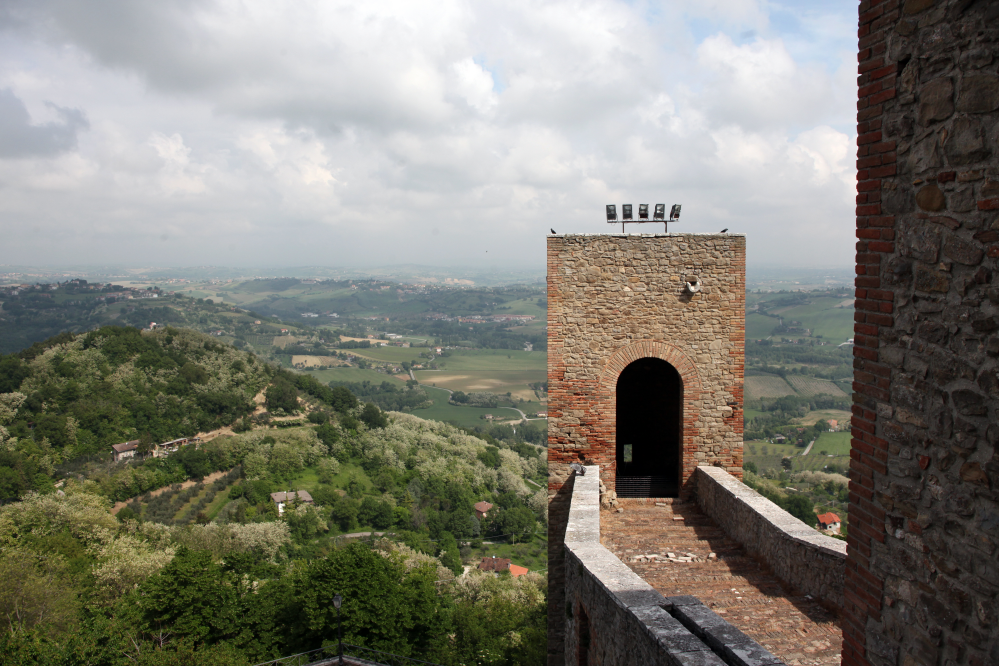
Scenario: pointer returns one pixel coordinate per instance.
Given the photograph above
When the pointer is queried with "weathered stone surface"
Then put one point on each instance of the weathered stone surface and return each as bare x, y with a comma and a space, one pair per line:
924, 470
936, 101
931, 280
915, 6
962, 251
614, 617
924, 156
796, 553
979, 93
966, 142
931, 198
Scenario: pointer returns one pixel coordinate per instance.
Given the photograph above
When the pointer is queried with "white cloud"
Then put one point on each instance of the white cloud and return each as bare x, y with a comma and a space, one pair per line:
363, 126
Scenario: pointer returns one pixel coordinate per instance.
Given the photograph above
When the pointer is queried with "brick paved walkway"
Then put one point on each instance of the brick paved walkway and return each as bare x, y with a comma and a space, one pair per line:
794, 628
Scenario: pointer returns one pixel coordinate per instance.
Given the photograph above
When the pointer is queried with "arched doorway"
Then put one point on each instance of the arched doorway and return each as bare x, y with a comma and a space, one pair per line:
649, 429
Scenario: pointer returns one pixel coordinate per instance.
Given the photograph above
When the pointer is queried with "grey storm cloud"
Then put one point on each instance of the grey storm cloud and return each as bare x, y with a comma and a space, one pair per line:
19, 138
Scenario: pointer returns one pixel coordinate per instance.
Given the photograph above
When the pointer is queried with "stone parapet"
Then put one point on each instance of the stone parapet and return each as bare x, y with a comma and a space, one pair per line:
615, 617
796, 553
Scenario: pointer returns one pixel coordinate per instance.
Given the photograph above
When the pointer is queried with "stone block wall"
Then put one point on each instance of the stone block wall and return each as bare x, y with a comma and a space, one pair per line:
798, 555
613, 299
922, 579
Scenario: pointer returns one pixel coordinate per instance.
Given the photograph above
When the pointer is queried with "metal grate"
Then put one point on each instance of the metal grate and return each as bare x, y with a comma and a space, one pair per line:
646, 486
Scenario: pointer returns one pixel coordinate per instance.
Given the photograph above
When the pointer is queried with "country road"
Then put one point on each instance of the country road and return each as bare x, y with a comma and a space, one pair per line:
809, 448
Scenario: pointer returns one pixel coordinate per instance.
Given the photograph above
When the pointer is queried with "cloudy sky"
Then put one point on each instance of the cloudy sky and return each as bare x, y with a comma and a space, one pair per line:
443, 132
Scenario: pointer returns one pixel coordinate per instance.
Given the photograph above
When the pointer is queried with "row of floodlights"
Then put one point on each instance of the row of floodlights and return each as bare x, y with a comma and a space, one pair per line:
643, 212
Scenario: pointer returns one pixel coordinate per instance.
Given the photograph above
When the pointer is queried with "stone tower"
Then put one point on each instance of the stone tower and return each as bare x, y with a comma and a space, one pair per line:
646, 347
923, 574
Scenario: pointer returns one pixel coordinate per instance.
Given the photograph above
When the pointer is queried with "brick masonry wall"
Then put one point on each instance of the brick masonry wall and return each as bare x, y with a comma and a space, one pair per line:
922, 575
798, 555
613, 299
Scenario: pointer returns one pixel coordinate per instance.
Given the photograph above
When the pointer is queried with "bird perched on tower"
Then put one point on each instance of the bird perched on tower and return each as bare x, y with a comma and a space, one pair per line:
553, 231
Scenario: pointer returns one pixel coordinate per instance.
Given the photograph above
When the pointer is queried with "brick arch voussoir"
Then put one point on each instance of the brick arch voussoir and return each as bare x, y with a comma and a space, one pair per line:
628, 354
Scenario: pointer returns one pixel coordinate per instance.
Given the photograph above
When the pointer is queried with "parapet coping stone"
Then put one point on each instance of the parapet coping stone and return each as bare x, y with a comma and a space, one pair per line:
793, 528
627, 235
685, 629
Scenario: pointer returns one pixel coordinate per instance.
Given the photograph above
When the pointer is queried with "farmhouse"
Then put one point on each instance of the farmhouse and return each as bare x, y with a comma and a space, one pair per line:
282, 498
482, 509
829, 521
500, 564
125, 450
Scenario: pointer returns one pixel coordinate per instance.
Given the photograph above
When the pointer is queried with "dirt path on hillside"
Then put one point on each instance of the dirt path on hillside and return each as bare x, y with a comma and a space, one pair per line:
214, 476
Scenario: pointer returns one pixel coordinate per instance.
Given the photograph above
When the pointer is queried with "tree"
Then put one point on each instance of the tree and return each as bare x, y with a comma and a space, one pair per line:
343, 514
801, 508
342, 400
448, 553
750, 467
490, 457
36, 590
282, 395
517, 523
373, 417
145, 444
385, 607
191, 597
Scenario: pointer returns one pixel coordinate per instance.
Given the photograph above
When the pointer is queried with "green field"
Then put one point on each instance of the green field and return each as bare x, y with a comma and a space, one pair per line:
496, 359
758, 327
824, 315
352, 375
498, 371
390, 354
464, 416
523, 306
768, 456
766, 386
515, 383
834, 443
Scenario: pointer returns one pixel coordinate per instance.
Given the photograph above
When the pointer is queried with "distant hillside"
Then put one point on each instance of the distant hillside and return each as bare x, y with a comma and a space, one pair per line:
197, 564
78, 395
36, 313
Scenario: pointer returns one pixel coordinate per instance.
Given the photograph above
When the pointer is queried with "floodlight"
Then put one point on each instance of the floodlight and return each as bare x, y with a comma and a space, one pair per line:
660, 213
611, 212
626, 211
675, 213
643, 211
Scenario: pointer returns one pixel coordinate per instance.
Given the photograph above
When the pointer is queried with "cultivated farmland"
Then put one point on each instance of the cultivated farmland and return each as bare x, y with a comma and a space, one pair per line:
809, 386
767, 386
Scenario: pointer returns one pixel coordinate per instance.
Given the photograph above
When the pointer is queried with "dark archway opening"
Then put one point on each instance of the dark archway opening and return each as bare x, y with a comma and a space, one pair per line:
649, 429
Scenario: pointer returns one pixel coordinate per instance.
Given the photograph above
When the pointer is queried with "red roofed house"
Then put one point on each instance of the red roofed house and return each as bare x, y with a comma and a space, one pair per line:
481, 509
498, 564
126, 450
829, 521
